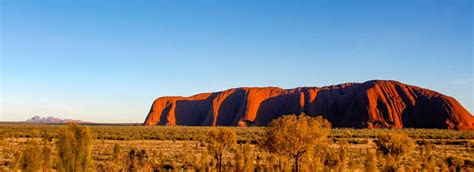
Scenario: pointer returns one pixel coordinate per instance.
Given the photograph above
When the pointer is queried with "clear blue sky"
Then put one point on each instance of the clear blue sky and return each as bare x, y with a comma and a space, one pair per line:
107, 61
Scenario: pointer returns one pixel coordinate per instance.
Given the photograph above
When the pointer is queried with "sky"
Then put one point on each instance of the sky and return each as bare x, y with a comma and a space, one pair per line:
106, 61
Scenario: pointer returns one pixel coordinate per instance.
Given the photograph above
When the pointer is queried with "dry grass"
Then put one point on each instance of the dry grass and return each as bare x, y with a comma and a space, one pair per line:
169, 150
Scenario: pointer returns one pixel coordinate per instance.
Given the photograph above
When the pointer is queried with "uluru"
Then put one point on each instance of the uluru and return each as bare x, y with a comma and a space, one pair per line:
372, 104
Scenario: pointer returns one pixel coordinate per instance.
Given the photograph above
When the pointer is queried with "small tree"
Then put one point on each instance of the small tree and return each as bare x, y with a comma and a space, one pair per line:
219, 141
293, 135
74, 148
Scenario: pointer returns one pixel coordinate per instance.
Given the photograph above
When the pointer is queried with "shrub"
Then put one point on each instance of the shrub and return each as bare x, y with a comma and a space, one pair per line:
46, 151
201, 163
186, 157
46, 157
455, 163
116, 153
116, 163
16, 160
293, 135
31, 159
371, 161
247, 150
239, 160
332, 159
142, 161
74, 148
395, 144
131, 160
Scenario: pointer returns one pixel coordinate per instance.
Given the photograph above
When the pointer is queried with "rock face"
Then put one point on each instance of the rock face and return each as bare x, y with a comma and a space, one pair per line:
372, 104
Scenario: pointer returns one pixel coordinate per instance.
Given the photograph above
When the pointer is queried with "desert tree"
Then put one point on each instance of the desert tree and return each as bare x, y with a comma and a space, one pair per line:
74, 148
219, 141
296, 135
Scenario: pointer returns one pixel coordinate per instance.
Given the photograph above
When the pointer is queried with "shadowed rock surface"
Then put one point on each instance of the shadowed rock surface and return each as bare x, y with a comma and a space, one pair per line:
372, 104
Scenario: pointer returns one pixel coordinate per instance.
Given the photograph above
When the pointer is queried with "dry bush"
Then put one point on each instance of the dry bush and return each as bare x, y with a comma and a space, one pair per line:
371, 161
202, 162
131, 160
46, 157
294, 136
428, 160
239, 160
116, 152
391, 164
74, 148
247, 151
394, 146
333, 159
244, 157
455, 163
16, 160
31, 158
186, 157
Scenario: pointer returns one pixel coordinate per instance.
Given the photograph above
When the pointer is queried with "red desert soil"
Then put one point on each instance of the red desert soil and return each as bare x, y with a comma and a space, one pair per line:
372, 104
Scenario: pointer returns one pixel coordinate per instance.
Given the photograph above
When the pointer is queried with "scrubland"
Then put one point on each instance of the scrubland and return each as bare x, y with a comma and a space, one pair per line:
308, 142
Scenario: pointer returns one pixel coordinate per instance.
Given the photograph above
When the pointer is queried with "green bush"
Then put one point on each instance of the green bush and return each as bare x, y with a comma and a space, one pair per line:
74, 148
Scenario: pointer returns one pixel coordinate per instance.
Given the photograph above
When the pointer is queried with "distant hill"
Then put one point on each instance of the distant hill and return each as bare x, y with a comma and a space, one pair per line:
372, 104
38, 119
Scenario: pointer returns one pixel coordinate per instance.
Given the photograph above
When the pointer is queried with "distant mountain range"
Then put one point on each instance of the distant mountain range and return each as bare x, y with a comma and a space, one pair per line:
38, 119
